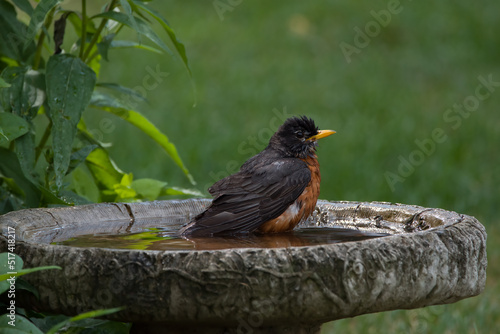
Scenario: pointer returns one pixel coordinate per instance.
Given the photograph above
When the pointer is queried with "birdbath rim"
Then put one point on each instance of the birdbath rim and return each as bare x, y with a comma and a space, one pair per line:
26, 221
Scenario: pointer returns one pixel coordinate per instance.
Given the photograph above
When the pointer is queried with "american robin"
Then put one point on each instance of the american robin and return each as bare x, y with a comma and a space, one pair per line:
272, 192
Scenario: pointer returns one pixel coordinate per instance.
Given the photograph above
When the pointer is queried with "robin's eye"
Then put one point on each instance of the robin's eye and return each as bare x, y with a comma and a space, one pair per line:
299, 134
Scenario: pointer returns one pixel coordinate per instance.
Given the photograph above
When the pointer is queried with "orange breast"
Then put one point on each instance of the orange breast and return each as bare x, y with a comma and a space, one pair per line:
301, 208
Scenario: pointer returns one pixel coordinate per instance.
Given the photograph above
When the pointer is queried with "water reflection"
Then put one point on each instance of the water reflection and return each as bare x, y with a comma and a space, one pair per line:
164, 239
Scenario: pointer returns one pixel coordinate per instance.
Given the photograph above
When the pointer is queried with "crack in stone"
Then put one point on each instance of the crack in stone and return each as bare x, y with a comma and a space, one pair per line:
129, 212
58, 231
53, 217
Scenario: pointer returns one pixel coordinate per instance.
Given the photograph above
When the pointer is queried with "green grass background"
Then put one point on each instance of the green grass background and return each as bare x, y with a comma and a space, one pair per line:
262, 56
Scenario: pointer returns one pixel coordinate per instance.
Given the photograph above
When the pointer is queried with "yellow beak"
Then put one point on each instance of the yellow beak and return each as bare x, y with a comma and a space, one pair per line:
321, 134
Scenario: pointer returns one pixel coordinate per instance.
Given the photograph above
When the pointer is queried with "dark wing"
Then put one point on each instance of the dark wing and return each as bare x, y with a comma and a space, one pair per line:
245, 200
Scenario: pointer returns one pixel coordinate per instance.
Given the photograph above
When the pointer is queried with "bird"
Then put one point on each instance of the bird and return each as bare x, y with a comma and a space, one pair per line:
272, 192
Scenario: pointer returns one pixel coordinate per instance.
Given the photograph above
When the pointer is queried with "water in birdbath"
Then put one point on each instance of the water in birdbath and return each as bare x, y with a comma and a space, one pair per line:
167, 238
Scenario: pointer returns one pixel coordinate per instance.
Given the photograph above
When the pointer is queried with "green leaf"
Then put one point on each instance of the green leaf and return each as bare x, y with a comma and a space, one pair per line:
123, 190
95, 62
3, 83
48, 321
13, 187
120, 44
181, 49
128, 11
112, 105
23, 98
9, 262
25, 151
104, 44
175, 191
38, 18
12, 36
24, 5
127, 180
9, 202
23, 285
103, 169
148, 189
11, 267
141, 27
122, 89
12, 330
111, 327
87, 136
22, 326
26, 92
10, 167
86, 315
79, 156
73, 197
76, 22
70, 84
83, 184
23, 272
51, 198
11, 127
8, 61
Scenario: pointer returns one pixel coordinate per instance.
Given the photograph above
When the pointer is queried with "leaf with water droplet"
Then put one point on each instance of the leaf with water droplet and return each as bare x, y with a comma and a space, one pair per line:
23, 98
11, 127
70, 83
25, 93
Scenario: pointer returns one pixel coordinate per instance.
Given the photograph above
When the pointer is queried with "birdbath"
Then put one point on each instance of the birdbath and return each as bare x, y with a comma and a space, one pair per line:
282, 284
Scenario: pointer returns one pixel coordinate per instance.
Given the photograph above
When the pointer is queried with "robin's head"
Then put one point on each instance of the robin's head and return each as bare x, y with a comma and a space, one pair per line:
298, 137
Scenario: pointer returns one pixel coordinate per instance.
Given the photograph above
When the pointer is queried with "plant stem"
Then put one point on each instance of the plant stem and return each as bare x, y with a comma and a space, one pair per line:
39, 46
119, 28
83, 38
92, 56
94, 39
96, 53
38, 53
43, 141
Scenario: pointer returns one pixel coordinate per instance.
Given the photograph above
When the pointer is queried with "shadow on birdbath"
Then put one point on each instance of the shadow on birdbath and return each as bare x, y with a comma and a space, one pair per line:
348, 259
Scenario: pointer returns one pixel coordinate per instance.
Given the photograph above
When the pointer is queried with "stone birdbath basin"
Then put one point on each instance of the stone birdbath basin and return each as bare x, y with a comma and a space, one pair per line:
393, 257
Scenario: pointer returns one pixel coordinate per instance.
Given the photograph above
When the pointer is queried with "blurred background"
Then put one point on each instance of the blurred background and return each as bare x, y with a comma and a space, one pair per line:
412, 89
